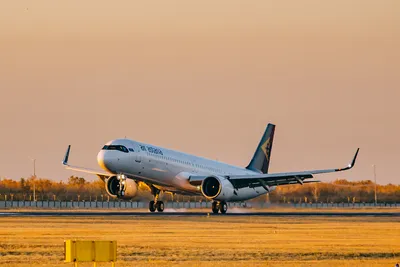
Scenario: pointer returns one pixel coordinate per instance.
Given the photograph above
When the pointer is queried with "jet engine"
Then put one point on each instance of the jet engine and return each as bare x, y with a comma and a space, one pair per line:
217, 188
121, 187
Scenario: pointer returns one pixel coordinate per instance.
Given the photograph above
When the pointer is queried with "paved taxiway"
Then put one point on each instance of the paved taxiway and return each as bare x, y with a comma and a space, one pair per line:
167, 214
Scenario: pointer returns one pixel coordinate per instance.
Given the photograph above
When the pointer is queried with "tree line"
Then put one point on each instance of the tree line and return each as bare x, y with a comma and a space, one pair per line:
338, 191
78, 189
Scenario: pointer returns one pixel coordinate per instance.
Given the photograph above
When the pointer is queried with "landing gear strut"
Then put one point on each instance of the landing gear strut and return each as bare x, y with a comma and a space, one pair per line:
121, 185
219, 207
156, 204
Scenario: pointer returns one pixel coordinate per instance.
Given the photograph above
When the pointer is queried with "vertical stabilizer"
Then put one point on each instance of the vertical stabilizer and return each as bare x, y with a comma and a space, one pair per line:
262, 156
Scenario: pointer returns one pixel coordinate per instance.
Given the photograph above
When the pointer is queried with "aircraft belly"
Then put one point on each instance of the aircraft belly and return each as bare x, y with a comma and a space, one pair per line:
161, 175
178, 191
248, 193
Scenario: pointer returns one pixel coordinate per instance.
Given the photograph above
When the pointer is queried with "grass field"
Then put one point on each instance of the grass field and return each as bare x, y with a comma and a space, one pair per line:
207, 241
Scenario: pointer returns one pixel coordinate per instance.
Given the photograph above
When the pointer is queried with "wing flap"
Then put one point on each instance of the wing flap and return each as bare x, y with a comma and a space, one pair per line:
269, 179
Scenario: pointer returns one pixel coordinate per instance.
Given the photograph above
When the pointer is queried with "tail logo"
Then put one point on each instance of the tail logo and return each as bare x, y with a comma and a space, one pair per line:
266, 148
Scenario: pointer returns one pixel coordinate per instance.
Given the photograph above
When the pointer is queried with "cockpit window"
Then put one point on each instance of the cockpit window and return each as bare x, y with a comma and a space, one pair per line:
119, 148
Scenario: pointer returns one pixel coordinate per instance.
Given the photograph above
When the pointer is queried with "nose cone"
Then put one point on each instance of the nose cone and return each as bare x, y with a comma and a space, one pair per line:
104, 160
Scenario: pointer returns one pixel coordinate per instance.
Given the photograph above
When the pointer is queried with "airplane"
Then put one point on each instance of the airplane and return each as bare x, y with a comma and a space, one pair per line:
127, 163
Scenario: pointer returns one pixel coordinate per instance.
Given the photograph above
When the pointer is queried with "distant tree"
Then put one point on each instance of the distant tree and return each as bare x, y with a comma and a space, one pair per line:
74, 180
315, 192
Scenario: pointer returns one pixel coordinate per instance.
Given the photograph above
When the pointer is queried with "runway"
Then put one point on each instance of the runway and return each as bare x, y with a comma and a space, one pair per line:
193, 214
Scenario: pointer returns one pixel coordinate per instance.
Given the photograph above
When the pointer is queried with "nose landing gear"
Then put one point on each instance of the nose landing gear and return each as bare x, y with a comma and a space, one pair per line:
220, 206
121, 185
156, 204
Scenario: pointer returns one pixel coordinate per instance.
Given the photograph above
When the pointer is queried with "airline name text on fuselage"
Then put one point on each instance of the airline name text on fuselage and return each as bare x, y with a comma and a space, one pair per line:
152, 150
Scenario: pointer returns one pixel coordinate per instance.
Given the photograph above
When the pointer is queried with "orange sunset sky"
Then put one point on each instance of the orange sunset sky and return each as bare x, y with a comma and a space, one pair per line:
203, 77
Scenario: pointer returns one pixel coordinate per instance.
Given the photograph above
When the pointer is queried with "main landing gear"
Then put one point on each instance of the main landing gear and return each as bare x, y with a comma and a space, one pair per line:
156, 204
220, 206
159, 206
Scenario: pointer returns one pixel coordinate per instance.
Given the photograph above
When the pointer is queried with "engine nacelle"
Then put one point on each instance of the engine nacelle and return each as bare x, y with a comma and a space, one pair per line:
121, 187
217, 188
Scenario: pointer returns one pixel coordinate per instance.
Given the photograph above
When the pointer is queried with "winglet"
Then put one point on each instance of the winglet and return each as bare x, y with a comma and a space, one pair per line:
353, 162
65, 161
354, 159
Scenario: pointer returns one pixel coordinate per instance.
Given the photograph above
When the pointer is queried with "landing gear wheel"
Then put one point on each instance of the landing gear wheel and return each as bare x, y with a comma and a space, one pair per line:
155, 204
215, 207
160, 206
223, 207
152, 206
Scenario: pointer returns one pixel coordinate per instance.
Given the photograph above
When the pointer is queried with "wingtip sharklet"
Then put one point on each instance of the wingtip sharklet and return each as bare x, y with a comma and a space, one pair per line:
354, 159
65, 161
353, 162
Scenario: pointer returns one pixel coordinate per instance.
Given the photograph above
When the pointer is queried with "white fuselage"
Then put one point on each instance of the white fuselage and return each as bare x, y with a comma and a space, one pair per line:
166, 169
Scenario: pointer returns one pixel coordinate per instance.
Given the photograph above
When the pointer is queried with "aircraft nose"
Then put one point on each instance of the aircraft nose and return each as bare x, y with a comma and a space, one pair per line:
104, 160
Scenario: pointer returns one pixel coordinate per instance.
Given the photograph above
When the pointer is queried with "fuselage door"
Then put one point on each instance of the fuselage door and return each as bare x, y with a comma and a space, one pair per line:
138, 156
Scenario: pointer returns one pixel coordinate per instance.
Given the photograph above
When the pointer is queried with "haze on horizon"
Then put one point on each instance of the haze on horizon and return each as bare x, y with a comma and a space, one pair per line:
203, 77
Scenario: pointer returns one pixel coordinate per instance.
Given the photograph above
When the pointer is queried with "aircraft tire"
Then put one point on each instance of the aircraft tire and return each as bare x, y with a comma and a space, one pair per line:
160, 206
223, 207
215, 207
152, 206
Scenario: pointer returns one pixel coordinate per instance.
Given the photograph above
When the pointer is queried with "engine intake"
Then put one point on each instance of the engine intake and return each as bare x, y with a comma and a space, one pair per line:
218, 188
211, 187
121, 187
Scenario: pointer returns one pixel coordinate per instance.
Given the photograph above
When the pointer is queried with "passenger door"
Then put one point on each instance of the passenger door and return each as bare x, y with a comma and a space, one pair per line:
138, 156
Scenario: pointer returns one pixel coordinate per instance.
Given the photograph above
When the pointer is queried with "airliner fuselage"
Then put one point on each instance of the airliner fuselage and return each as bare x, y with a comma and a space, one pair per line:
168, 170
126, 163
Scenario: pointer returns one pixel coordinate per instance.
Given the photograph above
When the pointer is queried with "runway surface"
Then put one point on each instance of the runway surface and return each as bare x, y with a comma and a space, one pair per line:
187, 214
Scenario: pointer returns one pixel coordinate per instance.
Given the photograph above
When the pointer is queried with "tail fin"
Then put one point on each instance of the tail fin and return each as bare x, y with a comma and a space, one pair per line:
261, 158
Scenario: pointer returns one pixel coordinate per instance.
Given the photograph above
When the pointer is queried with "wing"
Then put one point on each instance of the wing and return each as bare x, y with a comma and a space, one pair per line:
274, 179
101, 174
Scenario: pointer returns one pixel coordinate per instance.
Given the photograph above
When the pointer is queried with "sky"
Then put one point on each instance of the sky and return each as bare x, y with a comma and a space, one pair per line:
203, 77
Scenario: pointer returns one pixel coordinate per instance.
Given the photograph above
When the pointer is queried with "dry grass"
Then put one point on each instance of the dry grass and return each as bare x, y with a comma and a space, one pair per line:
203, 241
